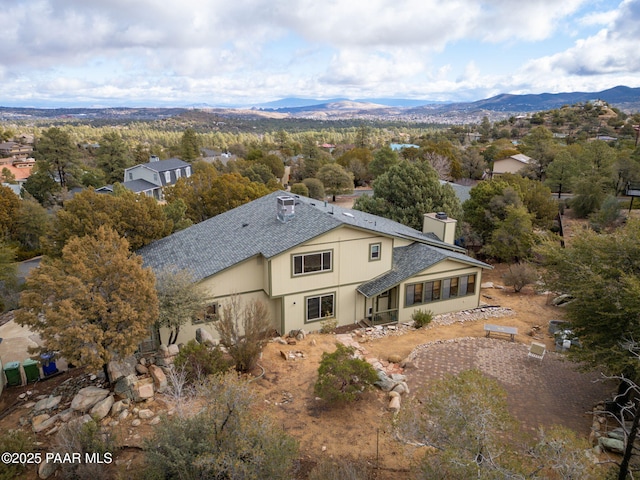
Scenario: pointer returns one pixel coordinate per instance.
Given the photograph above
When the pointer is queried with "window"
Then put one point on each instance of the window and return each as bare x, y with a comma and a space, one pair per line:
471, 284
187, 171
312, 263
177, 173
414, 294
209, 314
167, 177
374, 251
425, 292
320, 307
130, 175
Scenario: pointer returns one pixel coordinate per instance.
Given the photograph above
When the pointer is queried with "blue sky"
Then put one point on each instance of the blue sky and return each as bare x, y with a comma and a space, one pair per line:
243, 52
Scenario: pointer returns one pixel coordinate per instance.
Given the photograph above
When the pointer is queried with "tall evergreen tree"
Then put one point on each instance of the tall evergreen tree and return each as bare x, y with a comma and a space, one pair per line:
60, 156
406, 192
113, 157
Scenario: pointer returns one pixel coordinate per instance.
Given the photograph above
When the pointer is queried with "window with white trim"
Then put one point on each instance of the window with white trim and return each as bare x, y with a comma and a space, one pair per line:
374, 251
167, 176
320, 307
187, 171
178, 173
312, 262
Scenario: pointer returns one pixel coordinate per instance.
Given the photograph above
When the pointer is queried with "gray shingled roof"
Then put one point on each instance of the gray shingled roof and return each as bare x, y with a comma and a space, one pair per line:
253, 229
169, 164
409, 261
139, 185
462, 191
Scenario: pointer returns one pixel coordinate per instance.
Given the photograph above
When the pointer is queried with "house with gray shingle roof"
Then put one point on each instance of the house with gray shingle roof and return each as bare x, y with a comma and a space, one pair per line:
310, 260
150, 178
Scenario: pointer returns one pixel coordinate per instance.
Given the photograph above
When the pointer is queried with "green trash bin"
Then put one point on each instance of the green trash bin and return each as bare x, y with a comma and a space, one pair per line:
31, 370
12, 372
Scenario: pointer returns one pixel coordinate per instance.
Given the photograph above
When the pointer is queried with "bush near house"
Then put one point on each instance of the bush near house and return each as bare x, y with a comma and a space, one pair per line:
342, 378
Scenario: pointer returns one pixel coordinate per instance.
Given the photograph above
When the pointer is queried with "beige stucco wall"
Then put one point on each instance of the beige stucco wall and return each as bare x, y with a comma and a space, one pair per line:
440, 271
507, 165
188, 331
350, 262
271, 281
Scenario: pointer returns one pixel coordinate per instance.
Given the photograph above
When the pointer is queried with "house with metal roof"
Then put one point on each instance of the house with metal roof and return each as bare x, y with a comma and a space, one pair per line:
310, 261
150, 178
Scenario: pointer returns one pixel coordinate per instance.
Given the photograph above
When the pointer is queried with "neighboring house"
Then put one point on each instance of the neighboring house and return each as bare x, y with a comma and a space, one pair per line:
15, 150
309, 261
463, 192
150, 178
512, 164
20, 168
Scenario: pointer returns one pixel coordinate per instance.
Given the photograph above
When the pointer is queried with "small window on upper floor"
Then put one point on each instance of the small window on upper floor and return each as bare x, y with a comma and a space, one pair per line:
374, 251
178, 173
187, 171
167, 176
130, 175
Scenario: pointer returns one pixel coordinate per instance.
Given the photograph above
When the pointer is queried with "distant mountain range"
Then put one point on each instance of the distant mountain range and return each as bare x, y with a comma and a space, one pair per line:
500, 103
389, 109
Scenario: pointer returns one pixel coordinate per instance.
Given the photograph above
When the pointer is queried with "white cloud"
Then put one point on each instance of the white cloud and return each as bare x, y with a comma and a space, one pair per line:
193, 51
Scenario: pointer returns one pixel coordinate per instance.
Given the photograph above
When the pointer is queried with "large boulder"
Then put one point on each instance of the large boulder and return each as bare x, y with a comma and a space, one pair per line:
385, 383
124, 385
46, 469
102, 408
203, 336
87, 397
47, 403
42, 422
117, 370
611, 444
159, 378
142, 390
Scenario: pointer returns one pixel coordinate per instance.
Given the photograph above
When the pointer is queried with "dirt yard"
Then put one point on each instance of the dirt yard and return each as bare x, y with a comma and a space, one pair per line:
361, 431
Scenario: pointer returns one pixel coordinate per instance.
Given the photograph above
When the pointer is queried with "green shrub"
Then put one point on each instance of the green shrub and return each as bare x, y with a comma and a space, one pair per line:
199, 360
300, 189
86, 438
328, 325
228, 439
422, 318
15, 441
342, 378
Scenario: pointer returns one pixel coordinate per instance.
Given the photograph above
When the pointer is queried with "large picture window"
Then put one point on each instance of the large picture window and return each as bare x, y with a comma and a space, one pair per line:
312, 263
320, 307
425, 292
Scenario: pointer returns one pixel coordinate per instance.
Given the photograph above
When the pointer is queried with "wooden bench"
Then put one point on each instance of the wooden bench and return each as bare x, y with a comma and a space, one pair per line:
489, 328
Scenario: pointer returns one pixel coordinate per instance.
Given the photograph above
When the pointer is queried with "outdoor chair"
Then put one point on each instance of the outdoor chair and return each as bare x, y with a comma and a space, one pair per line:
537, 350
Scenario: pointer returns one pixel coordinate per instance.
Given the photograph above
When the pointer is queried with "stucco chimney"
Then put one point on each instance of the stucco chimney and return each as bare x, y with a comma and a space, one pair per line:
441, 225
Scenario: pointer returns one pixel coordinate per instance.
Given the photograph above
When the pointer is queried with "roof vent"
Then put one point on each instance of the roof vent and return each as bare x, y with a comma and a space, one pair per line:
441, 216
285, 208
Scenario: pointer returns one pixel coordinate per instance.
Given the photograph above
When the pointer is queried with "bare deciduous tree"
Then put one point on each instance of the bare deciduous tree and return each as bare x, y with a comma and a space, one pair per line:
244, 328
